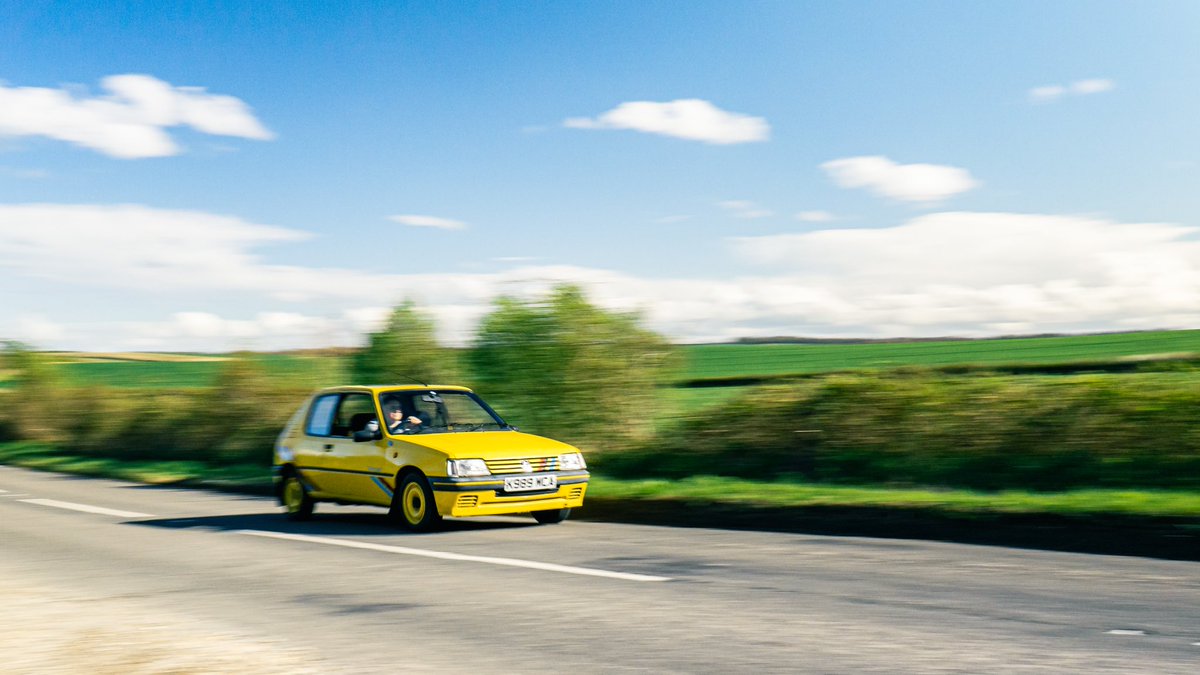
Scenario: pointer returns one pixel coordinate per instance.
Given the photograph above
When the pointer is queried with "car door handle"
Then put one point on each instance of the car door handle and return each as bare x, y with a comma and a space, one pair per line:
329, 446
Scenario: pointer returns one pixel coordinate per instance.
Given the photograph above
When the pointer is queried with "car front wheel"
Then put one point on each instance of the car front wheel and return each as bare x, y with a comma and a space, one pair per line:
413, 504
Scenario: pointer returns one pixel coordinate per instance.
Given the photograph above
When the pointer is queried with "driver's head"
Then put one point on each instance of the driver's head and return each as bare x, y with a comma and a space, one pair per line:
392, 406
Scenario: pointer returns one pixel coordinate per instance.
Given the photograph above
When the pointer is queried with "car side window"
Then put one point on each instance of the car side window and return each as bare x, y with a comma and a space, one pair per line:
353, 414
320, 420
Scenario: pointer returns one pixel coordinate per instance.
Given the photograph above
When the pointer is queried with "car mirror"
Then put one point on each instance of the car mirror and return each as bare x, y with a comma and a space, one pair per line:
368, 434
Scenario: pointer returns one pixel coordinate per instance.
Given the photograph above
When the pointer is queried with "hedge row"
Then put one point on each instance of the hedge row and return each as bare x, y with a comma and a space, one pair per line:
234, 422
980, 432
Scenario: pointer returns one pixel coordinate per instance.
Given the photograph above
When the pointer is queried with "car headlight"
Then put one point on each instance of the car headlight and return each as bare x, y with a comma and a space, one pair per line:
571, 462
462, 468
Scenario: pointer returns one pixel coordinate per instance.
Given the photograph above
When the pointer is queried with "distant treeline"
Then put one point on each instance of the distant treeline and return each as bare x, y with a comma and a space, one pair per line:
801, 340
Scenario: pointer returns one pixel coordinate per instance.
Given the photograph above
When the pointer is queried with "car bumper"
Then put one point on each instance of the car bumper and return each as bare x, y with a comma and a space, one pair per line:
486, 496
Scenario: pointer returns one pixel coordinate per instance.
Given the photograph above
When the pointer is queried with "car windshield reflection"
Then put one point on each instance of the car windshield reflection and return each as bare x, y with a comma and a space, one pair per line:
408, 411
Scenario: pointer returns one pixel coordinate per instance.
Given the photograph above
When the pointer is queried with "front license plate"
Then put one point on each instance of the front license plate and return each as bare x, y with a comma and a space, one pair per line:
523, 483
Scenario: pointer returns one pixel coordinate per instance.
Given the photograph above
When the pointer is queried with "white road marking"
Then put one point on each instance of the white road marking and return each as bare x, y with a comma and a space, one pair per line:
8, 495
3, 491
511, 562
1120, 631
87, 508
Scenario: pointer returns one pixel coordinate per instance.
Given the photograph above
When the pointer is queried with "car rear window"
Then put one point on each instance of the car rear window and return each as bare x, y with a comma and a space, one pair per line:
320, 421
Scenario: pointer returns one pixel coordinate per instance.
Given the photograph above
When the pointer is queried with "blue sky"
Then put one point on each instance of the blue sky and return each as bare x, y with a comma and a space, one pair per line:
208, 176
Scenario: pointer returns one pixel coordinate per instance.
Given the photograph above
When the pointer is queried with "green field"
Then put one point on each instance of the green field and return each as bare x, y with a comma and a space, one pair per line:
312, 371
703, 362
749, 360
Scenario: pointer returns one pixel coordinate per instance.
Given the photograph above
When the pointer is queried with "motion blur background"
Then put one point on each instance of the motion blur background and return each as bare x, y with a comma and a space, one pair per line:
738, 240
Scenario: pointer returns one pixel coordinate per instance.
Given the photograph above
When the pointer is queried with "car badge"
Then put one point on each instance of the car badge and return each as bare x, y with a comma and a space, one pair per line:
526, 467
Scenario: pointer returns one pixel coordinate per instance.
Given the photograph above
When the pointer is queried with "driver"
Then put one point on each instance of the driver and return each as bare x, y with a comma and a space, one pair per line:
398, 420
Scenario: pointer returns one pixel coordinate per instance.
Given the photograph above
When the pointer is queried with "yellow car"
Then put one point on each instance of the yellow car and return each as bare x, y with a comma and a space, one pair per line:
424, 452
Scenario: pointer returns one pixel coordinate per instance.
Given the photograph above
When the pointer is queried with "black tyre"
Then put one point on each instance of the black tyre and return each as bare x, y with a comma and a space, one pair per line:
413, 505
296, 502
551, 517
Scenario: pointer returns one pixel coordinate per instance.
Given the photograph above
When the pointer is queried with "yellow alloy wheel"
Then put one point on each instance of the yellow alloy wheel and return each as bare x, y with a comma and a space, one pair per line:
414, 503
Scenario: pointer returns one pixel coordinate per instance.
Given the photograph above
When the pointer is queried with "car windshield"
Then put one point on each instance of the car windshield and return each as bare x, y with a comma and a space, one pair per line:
436, 412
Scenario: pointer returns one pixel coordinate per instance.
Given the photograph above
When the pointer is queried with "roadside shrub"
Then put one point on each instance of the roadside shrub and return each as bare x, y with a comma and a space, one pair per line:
989, 433
565, 368
234, 422
405, 351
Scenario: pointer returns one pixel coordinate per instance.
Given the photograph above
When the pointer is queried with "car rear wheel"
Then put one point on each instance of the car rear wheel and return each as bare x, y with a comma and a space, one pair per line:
413, 505
296, 502
551, 517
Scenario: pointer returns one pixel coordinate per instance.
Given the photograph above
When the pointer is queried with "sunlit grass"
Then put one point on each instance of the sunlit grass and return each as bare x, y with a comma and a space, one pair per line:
47, 458
697, 490
712, 489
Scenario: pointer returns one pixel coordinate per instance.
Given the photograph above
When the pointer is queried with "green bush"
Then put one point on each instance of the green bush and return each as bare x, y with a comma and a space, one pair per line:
565, 368
979, 432
405, 351
234, 422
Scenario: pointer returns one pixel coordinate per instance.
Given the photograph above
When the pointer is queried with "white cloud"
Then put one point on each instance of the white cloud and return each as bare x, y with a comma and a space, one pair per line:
938, 274
36, 329
1096, 86
692, 119
745, 210
904, 182
1047, 93
128, 123
140, 247
814, 216
429, 221
1053, 92
205, 331
973, 273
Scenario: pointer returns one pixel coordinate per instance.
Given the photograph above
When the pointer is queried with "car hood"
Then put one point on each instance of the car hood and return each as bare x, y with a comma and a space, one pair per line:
490, 444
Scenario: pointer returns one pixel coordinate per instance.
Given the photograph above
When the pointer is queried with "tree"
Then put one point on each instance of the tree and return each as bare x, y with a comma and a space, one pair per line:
405, 351
37, 408
566, 368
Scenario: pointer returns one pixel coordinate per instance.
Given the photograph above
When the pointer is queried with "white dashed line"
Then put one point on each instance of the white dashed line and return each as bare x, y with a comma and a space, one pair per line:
1120, 631
10, 495
87, 508
425, 553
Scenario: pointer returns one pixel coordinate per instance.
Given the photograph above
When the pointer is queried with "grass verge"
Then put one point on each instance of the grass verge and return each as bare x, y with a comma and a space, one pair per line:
759, 494
242, 477
1155, 523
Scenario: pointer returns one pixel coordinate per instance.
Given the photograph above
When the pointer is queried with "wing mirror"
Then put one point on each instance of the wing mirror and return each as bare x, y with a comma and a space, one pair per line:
370, 433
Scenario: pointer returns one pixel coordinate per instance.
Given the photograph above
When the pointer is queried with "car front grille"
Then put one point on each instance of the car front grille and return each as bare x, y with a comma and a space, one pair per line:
499, 466
467, 501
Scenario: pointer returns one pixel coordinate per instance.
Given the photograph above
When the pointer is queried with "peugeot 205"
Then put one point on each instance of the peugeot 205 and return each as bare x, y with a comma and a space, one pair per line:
424, 453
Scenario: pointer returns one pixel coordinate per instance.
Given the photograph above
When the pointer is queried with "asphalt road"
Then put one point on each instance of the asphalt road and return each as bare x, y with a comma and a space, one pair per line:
347, 592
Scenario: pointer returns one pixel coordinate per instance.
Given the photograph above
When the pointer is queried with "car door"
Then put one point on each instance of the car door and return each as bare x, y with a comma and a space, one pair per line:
357, 468
314, 444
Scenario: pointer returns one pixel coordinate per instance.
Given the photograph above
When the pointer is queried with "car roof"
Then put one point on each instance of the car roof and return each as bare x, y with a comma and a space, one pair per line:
379, 388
